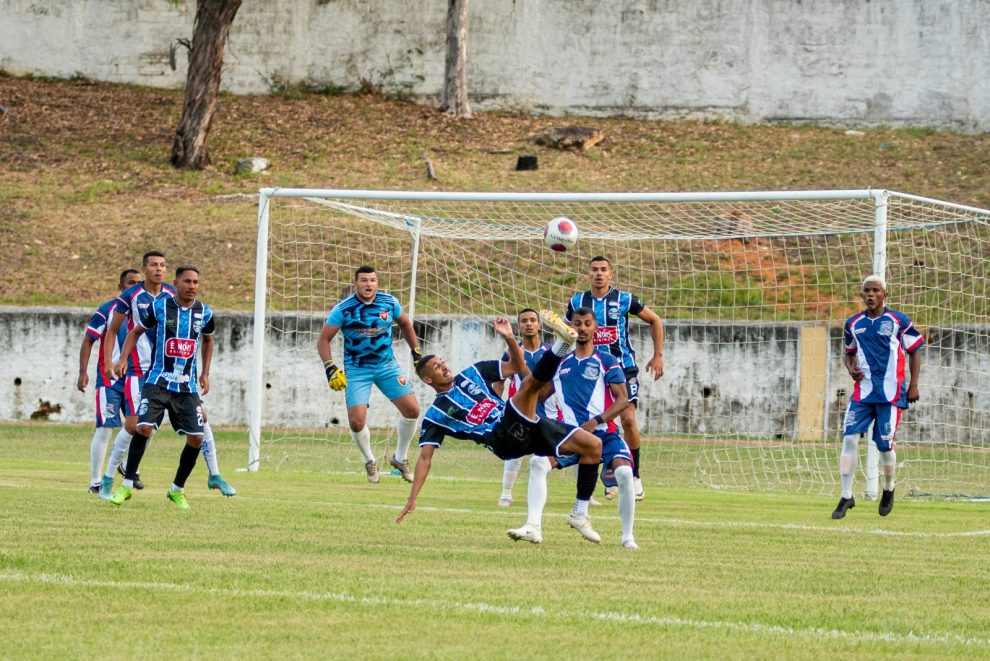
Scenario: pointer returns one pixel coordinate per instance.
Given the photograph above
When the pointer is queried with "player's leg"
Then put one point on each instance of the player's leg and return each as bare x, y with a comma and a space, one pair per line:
630, 428
357, 394
150, 411
209, 449
536, 500
884, 429
872, 470
617, 455
107, 417
510, 471
186, 415
397, 387
858, 419
543, 372
588, 447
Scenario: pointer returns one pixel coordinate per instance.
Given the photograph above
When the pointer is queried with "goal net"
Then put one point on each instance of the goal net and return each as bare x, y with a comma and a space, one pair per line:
753, 289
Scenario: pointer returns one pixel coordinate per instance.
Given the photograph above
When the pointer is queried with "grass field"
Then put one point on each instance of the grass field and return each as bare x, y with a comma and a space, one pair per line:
311, 564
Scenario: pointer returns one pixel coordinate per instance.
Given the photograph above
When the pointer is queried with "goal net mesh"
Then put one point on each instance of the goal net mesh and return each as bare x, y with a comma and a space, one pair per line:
752, 293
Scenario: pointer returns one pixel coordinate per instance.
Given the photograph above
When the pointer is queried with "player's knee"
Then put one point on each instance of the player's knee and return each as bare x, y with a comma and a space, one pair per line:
539, 465
623, 473
591, 446
194, 441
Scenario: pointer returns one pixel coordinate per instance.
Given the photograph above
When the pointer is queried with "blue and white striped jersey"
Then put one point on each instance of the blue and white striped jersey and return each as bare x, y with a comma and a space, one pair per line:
177, 332
611, 312
469, 410
134, 304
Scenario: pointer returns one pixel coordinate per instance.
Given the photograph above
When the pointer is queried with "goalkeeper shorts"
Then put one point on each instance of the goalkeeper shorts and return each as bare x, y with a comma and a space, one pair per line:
387, 376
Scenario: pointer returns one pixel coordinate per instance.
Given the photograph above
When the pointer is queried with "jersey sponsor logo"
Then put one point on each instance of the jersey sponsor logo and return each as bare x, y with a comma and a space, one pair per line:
857, 331
591, 372
886, 328
374, 331
606, 335
480, 411
176, 347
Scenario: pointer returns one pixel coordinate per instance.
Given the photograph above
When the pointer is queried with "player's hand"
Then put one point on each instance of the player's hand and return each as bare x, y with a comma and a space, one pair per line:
913, 394
336, 378
117, 369
502, 327
82, 382
410, 506
204, 384
655, 367
856, 373
590, 425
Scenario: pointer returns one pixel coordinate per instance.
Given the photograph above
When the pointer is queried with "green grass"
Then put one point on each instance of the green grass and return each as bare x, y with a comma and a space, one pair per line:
311, 564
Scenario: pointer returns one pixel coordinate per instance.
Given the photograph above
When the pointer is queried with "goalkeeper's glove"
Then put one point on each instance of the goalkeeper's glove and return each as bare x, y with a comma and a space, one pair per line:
416, 355
336, 378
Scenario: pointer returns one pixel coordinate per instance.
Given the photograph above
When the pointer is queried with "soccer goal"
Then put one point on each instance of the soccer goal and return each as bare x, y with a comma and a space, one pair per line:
752, 287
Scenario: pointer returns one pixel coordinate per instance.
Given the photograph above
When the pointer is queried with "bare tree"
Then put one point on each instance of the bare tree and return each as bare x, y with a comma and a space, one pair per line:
455, 99
213, 20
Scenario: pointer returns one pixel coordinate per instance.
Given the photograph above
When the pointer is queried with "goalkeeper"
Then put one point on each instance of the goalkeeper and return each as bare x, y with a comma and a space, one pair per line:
365, 318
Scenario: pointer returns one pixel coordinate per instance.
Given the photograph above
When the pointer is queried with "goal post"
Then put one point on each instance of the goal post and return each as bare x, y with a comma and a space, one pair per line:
753, 288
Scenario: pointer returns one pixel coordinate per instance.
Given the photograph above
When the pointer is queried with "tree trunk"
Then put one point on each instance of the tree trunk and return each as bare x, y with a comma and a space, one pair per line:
213, 20
455, 98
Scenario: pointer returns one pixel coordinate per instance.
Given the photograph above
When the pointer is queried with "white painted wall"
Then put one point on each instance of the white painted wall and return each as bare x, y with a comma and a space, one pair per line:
894, 62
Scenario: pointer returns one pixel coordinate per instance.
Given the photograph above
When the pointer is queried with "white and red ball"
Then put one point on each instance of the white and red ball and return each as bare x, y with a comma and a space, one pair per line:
560, 234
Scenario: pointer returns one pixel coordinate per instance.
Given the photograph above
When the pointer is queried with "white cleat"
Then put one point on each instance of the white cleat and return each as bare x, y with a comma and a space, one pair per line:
594, 502
630, 544
371, 468
638, 488
583, 525
611, 492
504, 502
872, 496
560, 328
527, 533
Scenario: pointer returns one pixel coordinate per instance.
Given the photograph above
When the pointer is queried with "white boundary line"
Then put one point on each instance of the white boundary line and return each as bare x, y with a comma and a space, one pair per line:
529, 612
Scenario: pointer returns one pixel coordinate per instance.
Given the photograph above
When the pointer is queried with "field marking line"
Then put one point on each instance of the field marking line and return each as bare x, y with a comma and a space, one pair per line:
540, 612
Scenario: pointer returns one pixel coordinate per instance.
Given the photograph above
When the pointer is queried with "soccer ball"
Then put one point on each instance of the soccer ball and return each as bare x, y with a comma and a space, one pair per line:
560, 234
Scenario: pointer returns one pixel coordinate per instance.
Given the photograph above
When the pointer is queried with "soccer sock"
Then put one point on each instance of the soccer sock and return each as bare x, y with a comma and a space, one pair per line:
546, 366
889, 460
139, 443
187, 461
627, 500
407, 428
98, 452
536, 492
560, 348
587, 477
120, 445
872, 468
209, 449
635, 466
510, 471
363, 440
847, 464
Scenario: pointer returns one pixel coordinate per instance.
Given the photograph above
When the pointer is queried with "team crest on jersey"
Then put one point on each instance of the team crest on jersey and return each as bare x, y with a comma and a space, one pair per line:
886, 328
591, 371
613, 311
176, 347
384, 315
402, 379
473, 388
480, 411
606, 335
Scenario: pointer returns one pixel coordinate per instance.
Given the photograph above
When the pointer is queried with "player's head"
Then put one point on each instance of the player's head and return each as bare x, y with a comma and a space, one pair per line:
584, 322
186, 283
434, 372
529, 322
154, 267
366, 283
600, 272
128, 278
874, 291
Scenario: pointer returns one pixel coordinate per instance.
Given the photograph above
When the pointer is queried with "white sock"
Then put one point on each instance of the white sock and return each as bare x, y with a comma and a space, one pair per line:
581, 507
120, 446
510, 471
407, 429
872, 468
847, 464
536, 492
627, 500
98, 452
209, 450
363, 440
561, 348
128, 483
889, 460
175, 488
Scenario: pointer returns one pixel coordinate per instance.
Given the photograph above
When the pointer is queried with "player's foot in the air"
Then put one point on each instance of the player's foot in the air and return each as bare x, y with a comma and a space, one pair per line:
886, 502
611, 492
402, 467
638, 488
560, 328
179, 498
527, 533
630, 544
371, 468
121, 494
845, 504
504, 501
106, 488
217, 482
583, 525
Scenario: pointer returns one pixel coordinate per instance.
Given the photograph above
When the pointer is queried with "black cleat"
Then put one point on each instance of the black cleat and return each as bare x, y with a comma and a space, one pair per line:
138, 484
886, 502
845, 504
94, 488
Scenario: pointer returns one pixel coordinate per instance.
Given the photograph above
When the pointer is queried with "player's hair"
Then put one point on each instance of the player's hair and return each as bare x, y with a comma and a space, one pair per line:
525, 310
185, 267
151, 253
127, 272
421, 364
600, 258
363, 269
583, 312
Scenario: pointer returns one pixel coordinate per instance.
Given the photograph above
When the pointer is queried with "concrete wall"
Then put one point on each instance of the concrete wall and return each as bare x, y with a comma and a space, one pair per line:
914, 62
720, 378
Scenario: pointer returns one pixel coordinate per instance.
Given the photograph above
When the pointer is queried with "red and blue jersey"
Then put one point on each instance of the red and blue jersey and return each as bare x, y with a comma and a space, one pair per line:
881, 346
134, 303
612, 315
177, 332
582, 387
469, 410
367, 328
97, 330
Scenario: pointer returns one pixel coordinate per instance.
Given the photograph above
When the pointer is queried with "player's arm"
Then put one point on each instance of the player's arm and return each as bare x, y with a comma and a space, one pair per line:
655, 364
107, 347
423, 465
120, 367
914, 364
84, 353
405, 325
620, 395
851, 361
207, 357
336, 378
517, 361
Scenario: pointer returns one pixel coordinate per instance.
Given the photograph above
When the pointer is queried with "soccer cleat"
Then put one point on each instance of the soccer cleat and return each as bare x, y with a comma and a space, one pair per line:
371, 468
504, 502
217, 482
560, 328
527, 533
845, 504
611, 492
94, 488
886, 502
106, 488
138, 484
638, 488
179, 498
583, 525
121, 494
870, 496
402, 467
630, 544
594, 502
